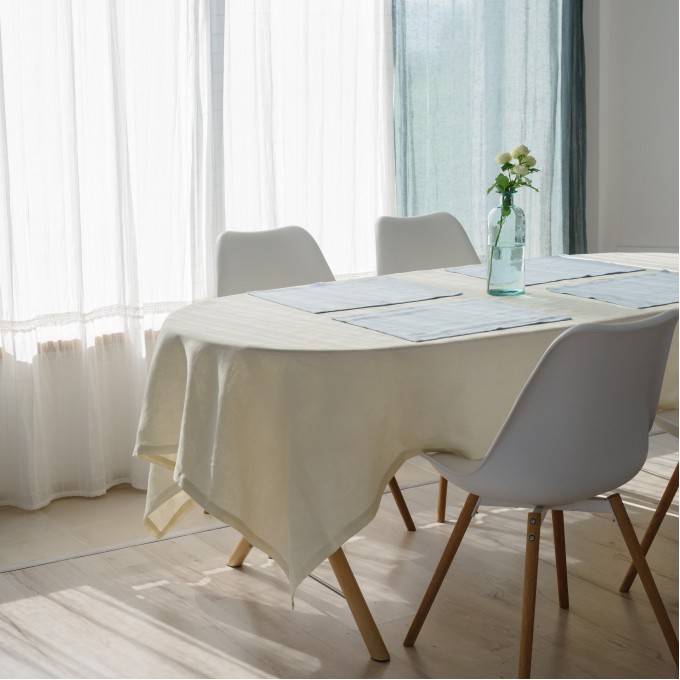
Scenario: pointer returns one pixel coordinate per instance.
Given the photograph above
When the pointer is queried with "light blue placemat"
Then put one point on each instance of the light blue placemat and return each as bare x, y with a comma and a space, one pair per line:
645, 290
336, 296
449, 319
559, 268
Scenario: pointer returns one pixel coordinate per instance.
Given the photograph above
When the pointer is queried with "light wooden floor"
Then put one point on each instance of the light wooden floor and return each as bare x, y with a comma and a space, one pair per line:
91, 607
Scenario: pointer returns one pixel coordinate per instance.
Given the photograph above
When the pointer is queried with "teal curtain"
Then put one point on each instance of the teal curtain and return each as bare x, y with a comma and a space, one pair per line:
477, 77
573, 136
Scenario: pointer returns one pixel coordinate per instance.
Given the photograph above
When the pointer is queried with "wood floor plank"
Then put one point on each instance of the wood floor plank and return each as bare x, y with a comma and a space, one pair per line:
174, 609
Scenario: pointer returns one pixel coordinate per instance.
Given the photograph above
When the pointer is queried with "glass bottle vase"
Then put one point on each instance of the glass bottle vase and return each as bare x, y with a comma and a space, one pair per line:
505, 251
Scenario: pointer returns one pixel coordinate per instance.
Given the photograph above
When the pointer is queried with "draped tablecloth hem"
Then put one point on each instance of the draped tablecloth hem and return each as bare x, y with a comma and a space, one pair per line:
296, 573
154, 509
667, 404
231, 520
159, 532
165, 455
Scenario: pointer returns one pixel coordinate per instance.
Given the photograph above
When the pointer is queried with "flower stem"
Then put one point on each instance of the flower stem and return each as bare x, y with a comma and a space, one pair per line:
506, 202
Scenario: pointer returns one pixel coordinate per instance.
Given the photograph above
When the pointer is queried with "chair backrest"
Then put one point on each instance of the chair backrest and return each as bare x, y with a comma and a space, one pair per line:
274, 258
580, 426
406, 244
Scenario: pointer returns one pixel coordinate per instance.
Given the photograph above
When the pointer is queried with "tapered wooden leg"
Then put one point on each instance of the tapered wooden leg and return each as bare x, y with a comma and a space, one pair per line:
529, 599
560, 558
441, 502
357, 604
655, 523
440, 572
401, 505
646, 577
239, 553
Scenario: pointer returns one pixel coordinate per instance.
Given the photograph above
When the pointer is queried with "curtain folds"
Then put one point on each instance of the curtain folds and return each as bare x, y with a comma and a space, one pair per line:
574, 136
105, 205
308, 121
123, 124
132, 133
476, 78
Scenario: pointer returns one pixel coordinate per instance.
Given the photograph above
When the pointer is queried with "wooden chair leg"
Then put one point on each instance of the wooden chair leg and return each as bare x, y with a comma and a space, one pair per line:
401, 505
441, 503
560, 558
357, 604
440, 572
529, 598
646, 577
239, 553
655, 523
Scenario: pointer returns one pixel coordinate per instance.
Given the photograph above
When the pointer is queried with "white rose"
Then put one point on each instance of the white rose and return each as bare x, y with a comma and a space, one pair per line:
504, 157
529, 161
520, 170
520, 150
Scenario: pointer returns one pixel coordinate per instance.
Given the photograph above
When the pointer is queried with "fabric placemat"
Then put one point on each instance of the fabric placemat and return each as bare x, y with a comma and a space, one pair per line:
646, 290
336, 296
449, 319
558, 268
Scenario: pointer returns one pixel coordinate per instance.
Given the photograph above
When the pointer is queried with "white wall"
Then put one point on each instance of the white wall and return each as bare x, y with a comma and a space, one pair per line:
632, 120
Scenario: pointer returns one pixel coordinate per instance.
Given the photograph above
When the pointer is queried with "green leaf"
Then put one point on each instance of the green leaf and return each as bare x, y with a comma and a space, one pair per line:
505, 210
506, 166
502, 181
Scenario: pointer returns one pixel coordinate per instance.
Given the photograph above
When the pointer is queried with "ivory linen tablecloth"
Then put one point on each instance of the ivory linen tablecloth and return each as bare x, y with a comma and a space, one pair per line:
288, 425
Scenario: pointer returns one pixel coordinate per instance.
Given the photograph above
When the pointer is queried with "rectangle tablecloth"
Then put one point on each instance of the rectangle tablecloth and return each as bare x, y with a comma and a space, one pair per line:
335, 296
642, 291
450, 319
558, 268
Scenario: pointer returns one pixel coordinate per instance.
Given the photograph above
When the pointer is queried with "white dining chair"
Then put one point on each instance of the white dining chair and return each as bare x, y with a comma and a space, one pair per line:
406, 244
278, 258
273, 258
578, 429
667, 421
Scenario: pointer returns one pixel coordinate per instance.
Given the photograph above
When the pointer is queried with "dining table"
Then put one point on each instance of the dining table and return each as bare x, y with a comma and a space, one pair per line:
287, 422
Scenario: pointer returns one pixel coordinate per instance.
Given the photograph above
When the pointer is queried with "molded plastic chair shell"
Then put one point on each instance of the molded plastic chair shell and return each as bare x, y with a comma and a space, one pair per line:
273, 258
578, 429
580, 426
406, 244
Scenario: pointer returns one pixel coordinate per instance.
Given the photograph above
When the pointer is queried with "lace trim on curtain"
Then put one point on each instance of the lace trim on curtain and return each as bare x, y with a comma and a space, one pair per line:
67, 318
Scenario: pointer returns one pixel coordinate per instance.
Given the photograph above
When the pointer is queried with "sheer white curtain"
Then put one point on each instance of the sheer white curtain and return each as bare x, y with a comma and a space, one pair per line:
308, 135
105, 226
112, 172
474, 79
